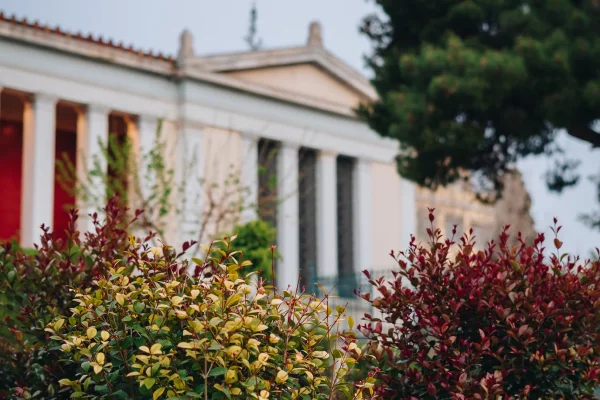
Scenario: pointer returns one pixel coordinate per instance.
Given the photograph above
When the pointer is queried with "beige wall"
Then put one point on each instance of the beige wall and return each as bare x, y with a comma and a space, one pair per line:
170, 136
303, 79
387, 219
223, 162
455, 204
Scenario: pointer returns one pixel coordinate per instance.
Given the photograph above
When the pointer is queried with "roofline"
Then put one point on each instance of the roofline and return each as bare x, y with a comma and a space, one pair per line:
88, 38
228, 62
107, 51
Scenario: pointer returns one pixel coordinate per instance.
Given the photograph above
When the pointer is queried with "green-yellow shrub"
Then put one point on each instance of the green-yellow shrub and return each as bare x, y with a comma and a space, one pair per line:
160, 333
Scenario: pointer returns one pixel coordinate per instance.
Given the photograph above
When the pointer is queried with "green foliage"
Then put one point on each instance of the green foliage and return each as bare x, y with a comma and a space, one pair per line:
159, 333
34, 289
253, 241
476, 85
117, 169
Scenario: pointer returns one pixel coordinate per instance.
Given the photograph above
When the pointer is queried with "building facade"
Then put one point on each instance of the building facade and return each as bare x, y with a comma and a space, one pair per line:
342, 205
64, 94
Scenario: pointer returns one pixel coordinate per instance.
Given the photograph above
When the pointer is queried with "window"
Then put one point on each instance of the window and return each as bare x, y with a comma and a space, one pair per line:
307, 226
345, 206
267, 181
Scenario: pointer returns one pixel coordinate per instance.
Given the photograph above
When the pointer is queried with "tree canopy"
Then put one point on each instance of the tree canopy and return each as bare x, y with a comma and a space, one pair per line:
476, 85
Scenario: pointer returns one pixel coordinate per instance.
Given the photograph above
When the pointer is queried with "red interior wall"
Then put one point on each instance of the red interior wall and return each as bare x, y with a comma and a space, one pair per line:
11, 151
66, 145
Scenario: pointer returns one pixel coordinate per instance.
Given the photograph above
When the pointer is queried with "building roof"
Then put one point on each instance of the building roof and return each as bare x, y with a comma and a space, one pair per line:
208, 68
89, 38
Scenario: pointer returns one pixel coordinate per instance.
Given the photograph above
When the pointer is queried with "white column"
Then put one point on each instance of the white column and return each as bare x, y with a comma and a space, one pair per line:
146, 128
39, 138
191, 171
92, 135
408, 210
288, 269
363, 216
327, 243
249, 177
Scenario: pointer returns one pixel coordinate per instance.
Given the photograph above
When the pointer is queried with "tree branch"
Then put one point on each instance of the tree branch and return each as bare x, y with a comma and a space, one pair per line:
586, 134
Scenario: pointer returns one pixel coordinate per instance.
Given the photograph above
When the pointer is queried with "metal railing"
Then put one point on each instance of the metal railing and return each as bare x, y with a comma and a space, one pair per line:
345, 286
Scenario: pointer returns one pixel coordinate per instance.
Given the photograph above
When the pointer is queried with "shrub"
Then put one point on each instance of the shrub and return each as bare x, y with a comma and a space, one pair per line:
164, 334
508, 322
254, 240
34, 290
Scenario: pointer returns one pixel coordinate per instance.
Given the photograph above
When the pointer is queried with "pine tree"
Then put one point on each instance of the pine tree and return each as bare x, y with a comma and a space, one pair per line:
477, 85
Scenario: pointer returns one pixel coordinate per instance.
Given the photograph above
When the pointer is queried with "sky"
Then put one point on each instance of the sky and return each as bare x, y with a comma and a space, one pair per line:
220, 25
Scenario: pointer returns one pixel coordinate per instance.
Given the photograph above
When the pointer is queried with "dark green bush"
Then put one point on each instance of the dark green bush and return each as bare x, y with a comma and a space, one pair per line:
254, 240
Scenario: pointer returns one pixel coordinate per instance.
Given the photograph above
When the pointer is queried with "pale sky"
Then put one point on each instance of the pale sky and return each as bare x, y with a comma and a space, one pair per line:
220, 25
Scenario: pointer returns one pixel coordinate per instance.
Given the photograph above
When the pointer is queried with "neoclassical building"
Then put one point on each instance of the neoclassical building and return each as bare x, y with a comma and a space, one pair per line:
62, 93
65, 94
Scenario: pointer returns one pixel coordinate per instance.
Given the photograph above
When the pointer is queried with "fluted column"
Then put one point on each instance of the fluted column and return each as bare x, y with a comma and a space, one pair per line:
288, 269
249, 177
327, 259
191, 174
92, 135
146, 128
363, 217
39, 138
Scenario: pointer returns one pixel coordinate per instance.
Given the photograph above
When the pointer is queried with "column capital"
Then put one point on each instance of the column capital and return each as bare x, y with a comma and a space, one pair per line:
253, 136
327, 154
290, 146
43, 99
364, 162
147, 119
98, 109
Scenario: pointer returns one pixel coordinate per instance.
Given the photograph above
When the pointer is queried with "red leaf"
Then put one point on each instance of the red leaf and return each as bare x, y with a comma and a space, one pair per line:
431, 389
523, 329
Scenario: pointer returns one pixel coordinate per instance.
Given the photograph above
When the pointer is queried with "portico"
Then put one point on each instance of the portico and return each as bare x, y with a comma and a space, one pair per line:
94, 82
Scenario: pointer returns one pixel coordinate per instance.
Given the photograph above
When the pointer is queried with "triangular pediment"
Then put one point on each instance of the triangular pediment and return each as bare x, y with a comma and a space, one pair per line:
308, 71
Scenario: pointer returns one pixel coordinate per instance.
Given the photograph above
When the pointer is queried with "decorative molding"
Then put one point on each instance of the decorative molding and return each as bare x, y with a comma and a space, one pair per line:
286, 56
202, 68
91, 49
315, 36
206, 105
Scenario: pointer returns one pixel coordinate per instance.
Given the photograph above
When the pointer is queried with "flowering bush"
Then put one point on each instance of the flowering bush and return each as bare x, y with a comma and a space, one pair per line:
164, 334
508, 322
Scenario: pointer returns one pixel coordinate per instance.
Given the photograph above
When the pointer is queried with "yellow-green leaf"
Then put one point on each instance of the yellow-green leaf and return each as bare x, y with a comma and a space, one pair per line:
58, 324
120, 298
91, 332
176, 300
155, 349
157, 393
149, 382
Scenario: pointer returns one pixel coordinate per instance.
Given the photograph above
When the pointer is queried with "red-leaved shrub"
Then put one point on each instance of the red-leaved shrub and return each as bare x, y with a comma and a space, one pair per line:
508, 322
